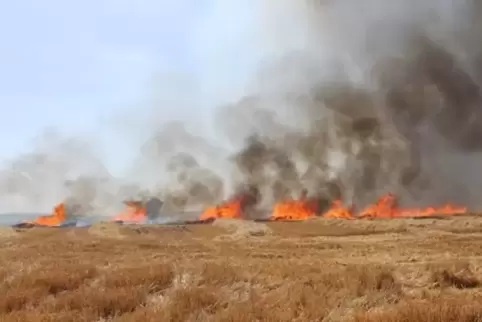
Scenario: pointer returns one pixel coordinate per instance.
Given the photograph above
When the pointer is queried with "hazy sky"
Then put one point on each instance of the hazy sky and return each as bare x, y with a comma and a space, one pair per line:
74, 64
87, 67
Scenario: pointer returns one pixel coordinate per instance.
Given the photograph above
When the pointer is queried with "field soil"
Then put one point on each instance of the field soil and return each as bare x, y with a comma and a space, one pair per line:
231, 270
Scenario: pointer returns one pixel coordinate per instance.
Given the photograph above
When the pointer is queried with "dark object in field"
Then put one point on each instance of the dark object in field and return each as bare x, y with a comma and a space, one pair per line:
263, 220
274, 220
197, 222
23, 225
28, 225
32, 225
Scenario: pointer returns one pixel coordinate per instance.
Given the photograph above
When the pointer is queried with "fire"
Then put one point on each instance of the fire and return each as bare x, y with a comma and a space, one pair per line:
229, 210
306, 208
294, 210
387, 207
134, 213
339, 211
446, 210
56, 219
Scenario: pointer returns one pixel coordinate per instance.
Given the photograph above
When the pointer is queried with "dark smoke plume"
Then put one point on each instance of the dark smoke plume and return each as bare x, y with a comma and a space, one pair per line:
423, 109
176, 162
393, 132
350, 99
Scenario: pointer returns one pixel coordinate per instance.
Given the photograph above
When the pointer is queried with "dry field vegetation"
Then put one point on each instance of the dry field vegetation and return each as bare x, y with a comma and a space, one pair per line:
318, 270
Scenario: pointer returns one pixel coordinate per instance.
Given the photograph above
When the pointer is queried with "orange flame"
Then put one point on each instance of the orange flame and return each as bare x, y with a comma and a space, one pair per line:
134, 213
446, 210
339, 211
229, 210
387, 207
294, 210
56, 219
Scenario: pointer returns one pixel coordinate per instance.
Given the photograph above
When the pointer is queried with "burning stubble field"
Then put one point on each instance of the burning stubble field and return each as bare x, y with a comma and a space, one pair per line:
234, 270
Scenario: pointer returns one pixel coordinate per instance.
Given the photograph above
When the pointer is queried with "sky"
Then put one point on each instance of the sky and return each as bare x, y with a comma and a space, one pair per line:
103, 69
113, 70
79, 65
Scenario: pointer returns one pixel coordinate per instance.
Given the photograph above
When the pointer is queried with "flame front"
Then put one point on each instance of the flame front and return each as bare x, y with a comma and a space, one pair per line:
387, 207
134, 213
294, 210
339, 211
447, 210
56, 219
229, 210
291, 210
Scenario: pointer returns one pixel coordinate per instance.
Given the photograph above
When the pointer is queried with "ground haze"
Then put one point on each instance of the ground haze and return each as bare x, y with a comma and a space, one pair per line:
318, 270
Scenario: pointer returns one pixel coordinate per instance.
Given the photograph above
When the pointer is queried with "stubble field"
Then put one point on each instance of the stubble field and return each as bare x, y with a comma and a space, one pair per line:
317, 270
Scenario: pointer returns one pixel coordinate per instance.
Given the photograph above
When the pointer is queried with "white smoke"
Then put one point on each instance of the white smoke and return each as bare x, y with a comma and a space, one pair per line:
255, 65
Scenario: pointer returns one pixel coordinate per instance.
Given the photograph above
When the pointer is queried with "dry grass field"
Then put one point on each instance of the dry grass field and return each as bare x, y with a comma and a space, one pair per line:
318, 270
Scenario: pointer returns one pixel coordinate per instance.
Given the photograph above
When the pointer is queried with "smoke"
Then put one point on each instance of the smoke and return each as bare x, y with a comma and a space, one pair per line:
62, 169
342, 99
52, 171
358, 99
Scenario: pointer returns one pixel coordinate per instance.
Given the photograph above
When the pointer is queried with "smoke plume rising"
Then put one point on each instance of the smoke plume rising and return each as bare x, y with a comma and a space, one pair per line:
344, 99
392, 90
